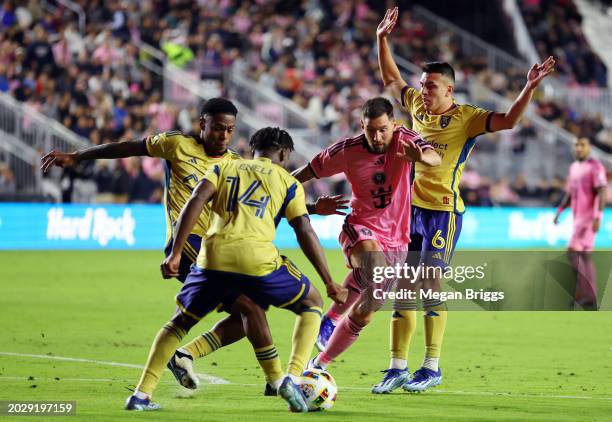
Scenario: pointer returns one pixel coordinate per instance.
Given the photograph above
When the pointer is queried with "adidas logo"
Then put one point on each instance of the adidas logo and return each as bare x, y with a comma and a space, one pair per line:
380, 161
437, 255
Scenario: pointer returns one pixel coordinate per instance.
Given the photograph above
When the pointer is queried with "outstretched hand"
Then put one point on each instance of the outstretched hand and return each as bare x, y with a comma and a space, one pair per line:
411, 152
60, 159
540, 71
328, 205
388, 23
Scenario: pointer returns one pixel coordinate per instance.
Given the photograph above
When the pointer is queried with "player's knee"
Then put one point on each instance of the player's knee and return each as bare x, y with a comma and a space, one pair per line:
245, 306
183, 321
312, 299
362, 314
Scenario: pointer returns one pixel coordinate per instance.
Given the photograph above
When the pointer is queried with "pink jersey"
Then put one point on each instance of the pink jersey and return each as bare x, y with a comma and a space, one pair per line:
381, 183
583, 180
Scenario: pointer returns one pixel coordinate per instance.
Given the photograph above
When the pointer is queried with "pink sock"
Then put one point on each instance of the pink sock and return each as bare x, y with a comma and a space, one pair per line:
587, 284
335, 311
344, 335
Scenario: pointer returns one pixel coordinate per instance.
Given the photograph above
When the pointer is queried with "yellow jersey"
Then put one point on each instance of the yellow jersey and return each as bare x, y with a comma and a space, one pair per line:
251, 198
453, 136
186, 165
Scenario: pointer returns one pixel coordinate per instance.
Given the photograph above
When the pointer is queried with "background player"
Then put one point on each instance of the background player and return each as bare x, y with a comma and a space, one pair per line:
586, 193
249, 197
378, 165
437, 205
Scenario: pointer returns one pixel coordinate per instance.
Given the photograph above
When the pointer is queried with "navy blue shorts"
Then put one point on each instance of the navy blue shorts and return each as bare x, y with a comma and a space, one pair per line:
206, 290
189, 255
434, 235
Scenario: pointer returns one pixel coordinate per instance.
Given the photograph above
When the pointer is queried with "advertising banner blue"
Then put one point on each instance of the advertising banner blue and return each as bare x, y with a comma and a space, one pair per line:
66, 226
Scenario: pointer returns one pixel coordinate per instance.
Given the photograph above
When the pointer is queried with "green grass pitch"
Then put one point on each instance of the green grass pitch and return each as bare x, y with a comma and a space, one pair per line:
106, 307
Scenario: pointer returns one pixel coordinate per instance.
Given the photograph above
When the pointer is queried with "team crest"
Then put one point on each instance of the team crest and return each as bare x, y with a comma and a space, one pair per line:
379, 178
445, 120
366, 232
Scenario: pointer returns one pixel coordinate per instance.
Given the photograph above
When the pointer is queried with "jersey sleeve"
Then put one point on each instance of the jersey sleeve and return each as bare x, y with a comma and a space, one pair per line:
599, 175
478, 121
214, 174
295, 201
162, 145
330, 161
420, 142
408, 96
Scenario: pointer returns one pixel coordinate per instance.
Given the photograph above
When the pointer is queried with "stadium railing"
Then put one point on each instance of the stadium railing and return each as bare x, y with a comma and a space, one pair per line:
590, 100
26, 133
185, 87
73, 7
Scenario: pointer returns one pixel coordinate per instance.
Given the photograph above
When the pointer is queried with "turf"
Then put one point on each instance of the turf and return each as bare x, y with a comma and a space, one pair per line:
107, 306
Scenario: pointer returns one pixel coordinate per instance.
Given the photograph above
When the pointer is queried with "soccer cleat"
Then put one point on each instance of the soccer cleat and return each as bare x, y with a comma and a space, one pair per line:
394, 378
312, 365
140, 405
325, 331
181, 366
423, 379
293, 395
270, 391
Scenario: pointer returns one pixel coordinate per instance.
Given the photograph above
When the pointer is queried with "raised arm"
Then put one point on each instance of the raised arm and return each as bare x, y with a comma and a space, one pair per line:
509, 119
309, 242
203, 192
114, 150
392, 79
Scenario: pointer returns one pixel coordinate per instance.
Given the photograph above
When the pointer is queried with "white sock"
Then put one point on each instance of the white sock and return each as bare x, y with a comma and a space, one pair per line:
318, 362
398, 363
294, 378
184, 351
141, 395
277, 383
431, 363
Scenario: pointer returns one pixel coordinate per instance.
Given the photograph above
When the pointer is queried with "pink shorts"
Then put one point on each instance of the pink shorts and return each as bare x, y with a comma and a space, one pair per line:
583, 238
352, 234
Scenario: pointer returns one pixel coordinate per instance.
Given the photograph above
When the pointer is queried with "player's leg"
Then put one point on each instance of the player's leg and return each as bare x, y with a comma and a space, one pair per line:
403, 323
288, 288
440, 237
246, 318
350, 236
336, 311
365, 256
225, 332
580, 255
198, 296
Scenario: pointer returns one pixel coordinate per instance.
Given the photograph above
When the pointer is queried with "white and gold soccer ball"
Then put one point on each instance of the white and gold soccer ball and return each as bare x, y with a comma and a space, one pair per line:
319, 388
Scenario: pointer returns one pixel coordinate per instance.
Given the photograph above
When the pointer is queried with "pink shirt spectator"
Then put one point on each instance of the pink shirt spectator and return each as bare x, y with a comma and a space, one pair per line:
381, 183
583, 179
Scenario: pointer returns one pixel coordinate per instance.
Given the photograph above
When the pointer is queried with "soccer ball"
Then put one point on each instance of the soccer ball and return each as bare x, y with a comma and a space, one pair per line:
319, 388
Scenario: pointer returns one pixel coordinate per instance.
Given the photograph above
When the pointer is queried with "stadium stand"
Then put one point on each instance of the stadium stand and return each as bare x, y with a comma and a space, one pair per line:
89, 76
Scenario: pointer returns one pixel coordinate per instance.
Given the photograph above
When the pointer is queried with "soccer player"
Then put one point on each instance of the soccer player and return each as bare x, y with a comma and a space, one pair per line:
188, 158
586, 193
437, 210
249, 197
378, 164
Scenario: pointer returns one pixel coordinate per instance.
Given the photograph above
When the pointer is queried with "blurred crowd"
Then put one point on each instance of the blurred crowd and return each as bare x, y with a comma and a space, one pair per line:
317, 53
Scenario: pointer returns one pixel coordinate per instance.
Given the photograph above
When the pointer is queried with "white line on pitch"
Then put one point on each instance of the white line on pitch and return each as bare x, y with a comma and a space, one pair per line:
205, 377
220, 381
